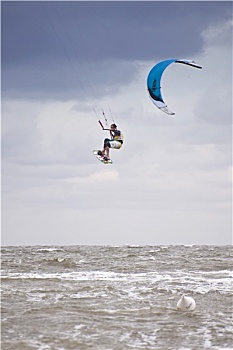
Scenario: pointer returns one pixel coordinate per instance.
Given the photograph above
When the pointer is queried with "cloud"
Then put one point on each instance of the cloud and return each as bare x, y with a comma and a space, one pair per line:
71, 26
49, 50
169, 184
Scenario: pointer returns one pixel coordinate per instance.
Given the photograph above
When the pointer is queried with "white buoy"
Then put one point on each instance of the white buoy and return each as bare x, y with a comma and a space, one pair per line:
186, 303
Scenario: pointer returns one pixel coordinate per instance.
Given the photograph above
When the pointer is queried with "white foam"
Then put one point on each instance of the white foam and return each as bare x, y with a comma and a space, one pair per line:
195, 282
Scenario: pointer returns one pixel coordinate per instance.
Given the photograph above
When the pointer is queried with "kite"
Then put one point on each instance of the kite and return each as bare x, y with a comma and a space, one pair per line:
154, 78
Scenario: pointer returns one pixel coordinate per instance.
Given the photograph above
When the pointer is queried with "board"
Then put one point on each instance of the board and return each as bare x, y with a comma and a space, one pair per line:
100, 158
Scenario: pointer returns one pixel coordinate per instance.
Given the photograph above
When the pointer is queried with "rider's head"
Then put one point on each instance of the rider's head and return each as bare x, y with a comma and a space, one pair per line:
113, 126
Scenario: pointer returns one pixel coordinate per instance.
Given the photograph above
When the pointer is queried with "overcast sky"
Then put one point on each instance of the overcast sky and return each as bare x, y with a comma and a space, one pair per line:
62, 63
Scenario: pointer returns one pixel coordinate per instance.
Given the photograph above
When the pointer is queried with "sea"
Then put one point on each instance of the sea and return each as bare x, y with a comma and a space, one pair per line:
116, 297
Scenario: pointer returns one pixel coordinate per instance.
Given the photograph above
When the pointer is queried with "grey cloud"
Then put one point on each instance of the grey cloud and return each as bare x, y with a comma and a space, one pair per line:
124, 30
169, 167
47, 46
67, 81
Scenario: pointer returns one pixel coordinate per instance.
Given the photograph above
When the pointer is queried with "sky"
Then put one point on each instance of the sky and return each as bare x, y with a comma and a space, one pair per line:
63, 64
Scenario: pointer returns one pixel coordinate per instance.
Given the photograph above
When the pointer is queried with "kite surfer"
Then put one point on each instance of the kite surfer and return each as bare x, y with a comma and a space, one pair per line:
116, 141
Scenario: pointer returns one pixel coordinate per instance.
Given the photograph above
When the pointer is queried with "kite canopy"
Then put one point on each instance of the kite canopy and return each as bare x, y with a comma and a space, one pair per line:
154, 78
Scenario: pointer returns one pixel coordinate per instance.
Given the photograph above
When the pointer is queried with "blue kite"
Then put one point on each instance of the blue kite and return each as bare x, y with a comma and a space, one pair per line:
154, 78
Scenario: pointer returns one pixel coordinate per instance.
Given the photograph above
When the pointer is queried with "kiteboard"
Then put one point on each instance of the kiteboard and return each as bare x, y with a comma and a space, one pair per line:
101, 158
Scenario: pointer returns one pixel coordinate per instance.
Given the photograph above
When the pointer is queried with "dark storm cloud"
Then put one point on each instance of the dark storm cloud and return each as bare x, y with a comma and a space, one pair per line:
47, 45
123, 30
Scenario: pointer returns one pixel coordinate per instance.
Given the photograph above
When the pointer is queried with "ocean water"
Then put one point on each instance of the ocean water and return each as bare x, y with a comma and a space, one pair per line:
116, 298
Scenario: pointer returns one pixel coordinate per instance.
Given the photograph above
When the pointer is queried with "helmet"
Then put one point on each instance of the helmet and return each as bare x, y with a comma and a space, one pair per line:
114, 126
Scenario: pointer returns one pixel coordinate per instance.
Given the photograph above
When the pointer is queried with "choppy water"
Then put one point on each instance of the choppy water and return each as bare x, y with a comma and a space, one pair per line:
118, 298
